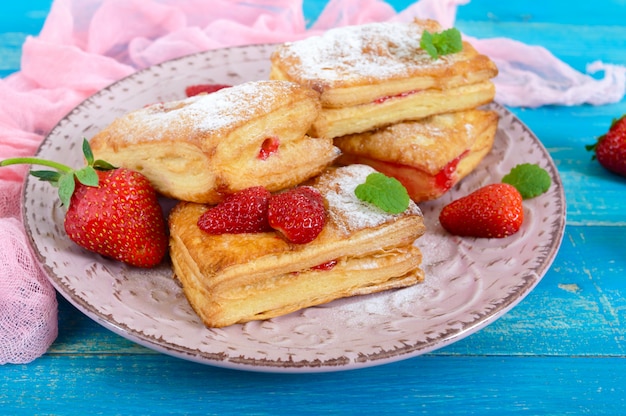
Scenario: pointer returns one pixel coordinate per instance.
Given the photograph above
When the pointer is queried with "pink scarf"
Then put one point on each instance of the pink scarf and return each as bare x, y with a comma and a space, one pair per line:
86, 45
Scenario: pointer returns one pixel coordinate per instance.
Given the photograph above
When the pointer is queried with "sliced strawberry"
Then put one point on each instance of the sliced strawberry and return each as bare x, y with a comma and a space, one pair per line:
493, 211
192, 90
298, 214
245, 211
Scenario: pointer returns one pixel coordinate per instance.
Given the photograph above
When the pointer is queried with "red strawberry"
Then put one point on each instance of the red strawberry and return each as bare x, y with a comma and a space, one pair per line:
493, 211
242, 212
298, 214
610, 148
120, 218
192, 90
113, 212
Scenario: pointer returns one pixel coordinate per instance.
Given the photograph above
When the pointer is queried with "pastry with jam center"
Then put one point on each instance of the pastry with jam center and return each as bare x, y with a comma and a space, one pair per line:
205, 147
237, 278
428, 156
377, 74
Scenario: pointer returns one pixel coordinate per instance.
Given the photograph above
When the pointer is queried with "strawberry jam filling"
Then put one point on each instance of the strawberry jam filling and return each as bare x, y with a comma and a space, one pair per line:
419, 184
381, 100
325, 266
268, 148
321, 267
193, 90
446, 178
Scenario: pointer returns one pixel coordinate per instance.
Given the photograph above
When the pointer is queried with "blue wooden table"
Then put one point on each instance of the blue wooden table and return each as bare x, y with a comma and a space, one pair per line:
562, 350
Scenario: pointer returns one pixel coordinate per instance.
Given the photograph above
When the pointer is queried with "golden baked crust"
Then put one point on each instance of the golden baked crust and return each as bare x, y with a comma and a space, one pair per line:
428, 156
359, 64
336, 122
203, 147
235, 278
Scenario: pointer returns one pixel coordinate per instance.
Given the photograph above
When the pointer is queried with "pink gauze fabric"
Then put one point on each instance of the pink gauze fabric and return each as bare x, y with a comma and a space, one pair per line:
86, 45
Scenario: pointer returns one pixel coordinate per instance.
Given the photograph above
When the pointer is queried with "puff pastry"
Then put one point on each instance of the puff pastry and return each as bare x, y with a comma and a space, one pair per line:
428, 156
236, 278
201, 148
377, 74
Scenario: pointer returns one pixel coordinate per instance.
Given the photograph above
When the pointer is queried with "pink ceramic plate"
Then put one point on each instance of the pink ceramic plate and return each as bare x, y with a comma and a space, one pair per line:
469, 283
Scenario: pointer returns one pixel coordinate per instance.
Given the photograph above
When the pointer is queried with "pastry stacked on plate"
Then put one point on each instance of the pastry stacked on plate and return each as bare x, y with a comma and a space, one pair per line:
281, 201
264, 224
392, 101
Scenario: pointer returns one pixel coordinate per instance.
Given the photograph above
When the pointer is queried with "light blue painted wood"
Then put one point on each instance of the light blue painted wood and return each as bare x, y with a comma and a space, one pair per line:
18, 20
157, 385
561, 351
578, 309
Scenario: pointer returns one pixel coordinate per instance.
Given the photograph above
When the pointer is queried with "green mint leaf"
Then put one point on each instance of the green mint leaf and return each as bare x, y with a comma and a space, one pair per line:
441, 43
87, 176
386, 193
427, 44
530, 180
66, 188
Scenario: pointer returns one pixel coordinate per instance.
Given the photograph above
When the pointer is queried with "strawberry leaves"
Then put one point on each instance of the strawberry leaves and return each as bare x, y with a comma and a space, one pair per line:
64, 177
111, 211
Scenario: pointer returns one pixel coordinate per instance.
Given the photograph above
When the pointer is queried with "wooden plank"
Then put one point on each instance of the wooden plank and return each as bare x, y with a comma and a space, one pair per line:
17, 21
577, 309
137, 385
560, 351
594, 196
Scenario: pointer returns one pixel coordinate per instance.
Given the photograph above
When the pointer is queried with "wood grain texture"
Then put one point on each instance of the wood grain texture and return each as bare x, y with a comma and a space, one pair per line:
561, 351
109, 385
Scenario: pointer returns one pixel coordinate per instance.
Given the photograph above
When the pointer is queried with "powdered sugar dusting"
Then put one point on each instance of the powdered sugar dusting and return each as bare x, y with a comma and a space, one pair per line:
348, 211
216, 111
379, 50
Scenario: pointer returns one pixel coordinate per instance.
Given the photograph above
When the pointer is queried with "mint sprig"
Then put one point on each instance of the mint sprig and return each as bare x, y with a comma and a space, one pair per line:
384, 192
441, 43
530, 179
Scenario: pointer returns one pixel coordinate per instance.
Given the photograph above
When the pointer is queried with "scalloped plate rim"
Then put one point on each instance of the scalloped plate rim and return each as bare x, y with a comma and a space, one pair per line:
289, 364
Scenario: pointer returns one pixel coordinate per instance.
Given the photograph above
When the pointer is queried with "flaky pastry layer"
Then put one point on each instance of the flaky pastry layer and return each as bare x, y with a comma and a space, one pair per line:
235, 278
204, 147
359, 64
336, 122
428, 156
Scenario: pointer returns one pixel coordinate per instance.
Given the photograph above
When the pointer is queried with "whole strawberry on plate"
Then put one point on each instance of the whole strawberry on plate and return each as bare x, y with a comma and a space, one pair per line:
495, 210
110, 211
610, 148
